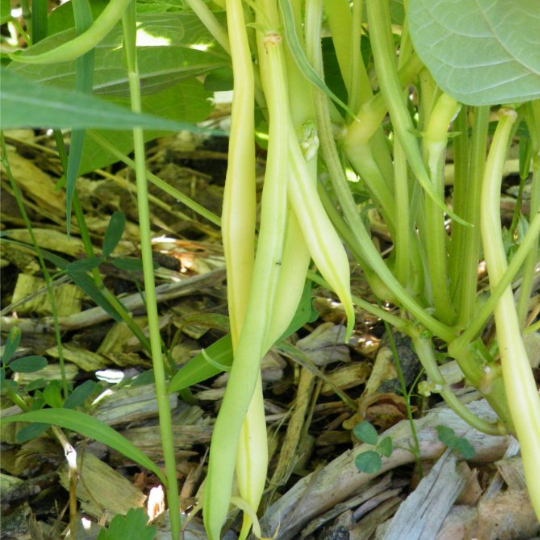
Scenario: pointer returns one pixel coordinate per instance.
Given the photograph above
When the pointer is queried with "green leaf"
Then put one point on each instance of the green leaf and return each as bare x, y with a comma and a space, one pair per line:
7, 384
368, 462
89, 287
219, 80
134, 525
52, 395
27, 104
365, 432
199, 368
465, 448
184, 102
448, 437
28, 364
12, 342
114, 232
129, 264
479, 51
170, 49
80, 395
27, 433
305, 313
35, 385
61, 18
385, 447
91, 427
83, 265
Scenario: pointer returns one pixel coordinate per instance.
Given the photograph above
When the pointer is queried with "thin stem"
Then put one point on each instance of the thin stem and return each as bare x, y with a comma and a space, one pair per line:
165, 421
426, 355
484, 313
406, 395
533, 121
210, 21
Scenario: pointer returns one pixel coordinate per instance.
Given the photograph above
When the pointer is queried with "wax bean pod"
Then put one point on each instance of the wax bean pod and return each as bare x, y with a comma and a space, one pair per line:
254, 334
322, 240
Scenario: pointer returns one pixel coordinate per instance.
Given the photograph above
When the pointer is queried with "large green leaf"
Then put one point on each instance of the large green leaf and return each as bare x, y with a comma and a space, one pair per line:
89, 427
25, 103
187, 102
171, 47
480, 52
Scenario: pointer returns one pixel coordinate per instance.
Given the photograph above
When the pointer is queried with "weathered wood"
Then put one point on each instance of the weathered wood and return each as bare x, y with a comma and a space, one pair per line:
340, 479
421, 516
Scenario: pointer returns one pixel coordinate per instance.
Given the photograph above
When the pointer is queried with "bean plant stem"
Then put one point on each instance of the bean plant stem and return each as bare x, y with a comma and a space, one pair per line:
165, 421
210, 21
529, 268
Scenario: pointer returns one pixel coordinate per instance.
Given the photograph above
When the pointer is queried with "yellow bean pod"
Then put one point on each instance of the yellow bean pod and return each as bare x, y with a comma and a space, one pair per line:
320, 236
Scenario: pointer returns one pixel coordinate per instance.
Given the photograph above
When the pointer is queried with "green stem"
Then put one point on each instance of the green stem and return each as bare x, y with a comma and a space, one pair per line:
406, 396
39, 20
465, 249
210, 21
529, 268
162, 397
434, 144
459, 346
521, 391
426, 355
385, 65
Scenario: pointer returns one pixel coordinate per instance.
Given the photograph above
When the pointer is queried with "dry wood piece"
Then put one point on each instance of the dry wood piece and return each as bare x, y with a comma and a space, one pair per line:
421, 516
130, 405
101, 490
340, 479
167, 291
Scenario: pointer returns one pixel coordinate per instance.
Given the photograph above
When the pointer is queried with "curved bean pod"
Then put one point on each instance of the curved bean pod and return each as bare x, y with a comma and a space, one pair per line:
84, 42
321, 238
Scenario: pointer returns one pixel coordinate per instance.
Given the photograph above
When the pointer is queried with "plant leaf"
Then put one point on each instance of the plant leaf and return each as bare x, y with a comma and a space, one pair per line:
83, 265
365, 432
134, 525
12, 342
27, 104
205, 364
171, 47
80, 395
385, 447
368, 462
91, 427
27, 433
114, 232
28, 364
198, 369
479, 51
184, 102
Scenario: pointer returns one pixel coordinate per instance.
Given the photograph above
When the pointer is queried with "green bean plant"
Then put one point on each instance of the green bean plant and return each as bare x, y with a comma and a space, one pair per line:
373, 113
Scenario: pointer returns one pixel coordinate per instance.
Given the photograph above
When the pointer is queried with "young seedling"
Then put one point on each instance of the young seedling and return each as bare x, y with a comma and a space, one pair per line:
370, 461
